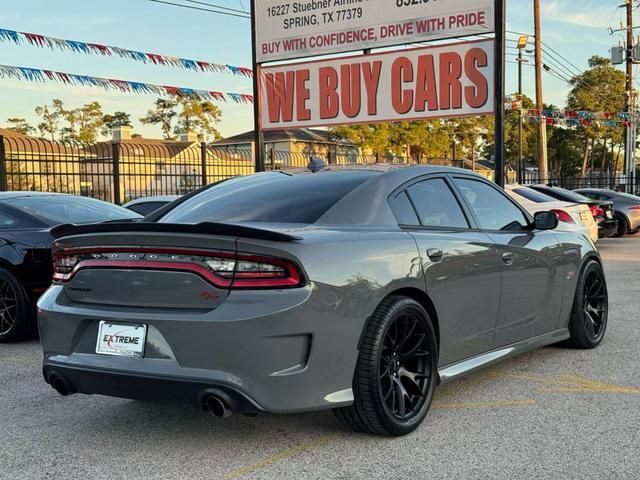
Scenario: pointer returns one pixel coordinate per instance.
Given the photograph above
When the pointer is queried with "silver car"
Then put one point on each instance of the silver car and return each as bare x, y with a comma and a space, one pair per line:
358, 290
626, 207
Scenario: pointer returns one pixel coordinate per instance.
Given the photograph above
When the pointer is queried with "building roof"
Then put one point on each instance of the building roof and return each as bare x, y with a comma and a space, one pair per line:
307, 135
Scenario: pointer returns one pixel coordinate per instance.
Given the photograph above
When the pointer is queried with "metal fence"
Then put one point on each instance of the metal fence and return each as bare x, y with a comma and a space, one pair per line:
595, 179
114, 171
128, 169
120, 171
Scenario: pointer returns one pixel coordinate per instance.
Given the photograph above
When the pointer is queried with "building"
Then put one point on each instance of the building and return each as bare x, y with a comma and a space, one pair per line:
293, 147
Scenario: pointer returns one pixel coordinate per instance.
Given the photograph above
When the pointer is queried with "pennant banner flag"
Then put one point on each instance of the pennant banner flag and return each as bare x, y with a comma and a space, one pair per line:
106, 50
39, 75
582, 116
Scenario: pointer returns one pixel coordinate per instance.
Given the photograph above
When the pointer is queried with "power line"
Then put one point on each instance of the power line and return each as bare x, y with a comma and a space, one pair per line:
221, 7
220, 12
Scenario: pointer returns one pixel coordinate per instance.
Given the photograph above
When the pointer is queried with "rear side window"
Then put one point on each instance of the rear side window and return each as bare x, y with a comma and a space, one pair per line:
436, 205
269, 197
403, 210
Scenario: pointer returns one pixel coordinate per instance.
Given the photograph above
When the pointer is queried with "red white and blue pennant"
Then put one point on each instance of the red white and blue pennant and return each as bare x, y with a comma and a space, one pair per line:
107, 50
41, 75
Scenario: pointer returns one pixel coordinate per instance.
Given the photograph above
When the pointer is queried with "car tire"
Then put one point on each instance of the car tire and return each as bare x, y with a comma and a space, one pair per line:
623, 226
589, 314
16, 312
396, 372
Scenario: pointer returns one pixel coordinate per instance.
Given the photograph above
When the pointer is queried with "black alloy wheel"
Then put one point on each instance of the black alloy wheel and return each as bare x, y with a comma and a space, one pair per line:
589, 315
623, 226
396, 373
16, 314
405, 366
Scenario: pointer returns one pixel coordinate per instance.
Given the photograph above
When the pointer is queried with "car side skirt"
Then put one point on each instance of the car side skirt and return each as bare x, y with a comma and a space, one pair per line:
456, 370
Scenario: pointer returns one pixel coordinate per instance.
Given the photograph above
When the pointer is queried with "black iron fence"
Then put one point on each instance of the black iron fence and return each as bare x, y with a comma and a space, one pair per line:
128, 169
595, 179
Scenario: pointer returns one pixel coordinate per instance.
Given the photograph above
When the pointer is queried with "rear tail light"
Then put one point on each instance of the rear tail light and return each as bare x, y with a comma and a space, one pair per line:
634, 207
222, 269
563, 216
597, 211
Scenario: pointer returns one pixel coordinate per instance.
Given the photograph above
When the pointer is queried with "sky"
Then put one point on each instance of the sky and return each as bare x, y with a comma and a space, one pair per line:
573, 31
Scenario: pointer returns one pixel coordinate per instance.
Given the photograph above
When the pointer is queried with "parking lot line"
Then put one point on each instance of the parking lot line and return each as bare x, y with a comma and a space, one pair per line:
494, 404
288, 453
572, 383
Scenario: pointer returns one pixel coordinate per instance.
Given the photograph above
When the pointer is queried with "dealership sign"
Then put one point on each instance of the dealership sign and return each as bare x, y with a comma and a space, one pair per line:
434, 82
287, 29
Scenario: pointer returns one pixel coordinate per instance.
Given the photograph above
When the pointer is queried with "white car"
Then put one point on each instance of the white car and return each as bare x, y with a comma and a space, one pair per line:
572, 217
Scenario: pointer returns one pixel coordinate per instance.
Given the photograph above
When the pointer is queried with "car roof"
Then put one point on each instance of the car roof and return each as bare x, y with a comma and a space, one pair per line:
7, 195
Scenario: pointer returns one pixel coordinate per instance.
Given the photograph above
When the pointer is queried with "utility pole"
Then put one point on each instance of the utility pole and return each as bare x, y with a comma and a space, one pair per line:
500, 6
522, 43
629, 132
543, 171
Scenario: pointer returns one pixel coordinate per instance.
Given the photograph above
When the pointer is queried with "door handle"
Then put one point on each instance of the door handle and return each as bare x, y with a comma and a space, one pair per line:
507, 258
434, 254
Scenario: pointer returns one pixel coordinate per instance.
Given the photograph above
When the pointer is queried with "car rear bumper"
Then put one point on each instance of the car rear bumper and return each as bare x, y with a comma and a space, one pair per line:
68, 380
607, 228
279, 351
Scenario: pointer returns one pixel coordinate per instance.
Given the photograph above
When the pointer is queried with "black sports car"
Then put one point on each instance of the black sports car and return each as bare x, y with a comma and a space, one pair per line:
26, 219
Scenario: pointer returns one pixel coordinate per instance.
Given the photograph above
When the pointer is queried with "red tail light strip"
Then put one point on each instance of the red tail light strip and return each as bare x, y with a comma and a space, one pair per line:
170, 266
289, 276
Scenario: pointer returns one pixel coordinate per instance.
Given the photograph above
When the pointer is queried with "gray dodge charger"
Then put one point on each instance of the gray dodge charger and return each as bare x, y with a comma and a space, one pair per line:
352, 289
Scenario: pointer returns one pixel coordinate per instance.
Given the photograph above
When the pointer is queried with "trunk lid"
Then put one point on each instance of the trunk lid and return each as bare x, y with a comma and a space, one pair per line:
150, 265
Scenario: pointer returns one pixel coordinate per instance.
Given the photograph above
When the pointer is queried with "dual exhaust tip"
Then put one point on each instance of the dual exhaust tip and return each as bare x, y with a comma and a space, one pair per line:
214, 403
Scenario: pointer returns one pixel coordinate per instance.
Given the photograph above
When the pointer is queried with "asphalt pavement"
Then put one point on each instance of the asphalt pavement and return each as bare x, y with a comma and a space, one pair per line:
550, 414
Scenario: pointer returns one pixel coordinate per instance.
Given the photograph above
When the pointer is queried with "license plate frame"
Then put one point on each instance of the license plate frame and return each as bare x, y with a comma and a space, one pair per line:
119, 339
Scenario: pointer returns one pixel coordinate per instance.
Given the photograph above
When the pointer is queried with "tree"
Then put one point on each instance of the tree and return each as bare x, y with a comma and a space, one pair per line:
20, 125
163, 115
90, 123
601, 88
51, 116
118, 119
198, 116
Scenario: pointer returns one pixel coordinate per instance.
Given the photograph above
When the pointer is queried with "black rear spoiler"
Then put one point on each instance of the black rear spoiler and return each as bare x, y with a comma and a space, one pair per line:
205, 228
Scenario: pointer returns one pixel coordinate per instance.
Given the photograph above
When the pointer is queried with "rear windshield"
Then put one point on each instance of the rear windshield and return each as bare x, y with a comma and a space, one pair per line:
533, 196
56, 210
567, 195
269, 197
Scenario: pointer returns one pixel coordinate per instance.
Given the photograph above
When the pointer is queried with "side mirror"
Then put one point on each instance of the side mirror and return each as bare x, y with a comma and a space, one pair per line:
545, 221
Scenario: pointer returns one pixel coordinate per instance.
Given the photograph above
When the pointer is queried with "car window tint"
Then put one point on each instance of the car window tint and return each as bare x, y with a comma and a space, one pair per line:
55, 210
403, 210
269, 197
436, 205
533, 196
493, 209
6, 220
146, 208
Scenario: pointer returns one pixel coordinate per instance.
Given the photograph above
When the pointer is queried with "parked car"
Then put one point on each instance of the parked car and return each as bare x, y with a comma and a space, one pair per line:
26, 219
573, 217
354, 289
602, 210
626, 207
146, 205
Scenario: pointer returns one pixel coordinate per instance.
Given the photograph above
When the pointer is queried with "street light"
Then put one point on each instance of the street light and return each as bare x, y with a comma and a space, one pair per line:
522, 43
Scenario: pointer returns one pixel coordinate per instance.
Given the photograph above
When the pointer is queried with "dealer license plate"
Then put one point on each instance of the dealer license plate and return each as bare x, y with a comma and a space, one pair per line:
121, 339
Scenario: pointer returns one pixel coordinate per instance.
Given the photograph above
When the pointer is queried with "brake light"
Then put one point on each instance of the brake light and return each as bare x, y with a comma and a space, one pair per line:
634, 207
597, 211
222, 269
563, 216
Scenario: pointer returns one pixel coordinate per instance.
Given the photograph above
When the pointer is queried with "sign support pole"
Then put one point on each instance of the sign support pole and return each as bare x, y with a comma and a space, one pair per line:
258, 136
499, 91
